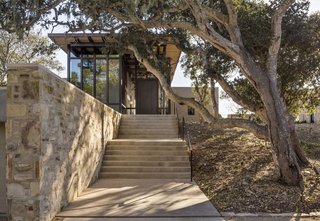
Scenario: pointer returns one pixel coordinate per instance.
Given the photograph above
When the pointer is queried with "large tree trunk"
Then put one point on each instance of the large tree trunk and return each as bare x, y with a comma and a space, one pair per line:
214, 101
281, 130
301, 157
282, 145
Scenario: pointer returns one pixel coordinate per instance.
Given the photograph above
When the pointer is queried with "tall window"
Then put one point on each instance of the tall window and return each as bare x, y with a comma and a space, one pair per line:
75, 72
114, 84
88, 72
97, 74
101, 80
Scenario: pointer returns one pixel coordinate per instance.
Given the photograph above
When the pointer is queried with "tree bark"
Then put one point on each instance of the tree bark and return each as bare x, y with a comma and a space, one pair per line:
301, 157
215, 105
281, 134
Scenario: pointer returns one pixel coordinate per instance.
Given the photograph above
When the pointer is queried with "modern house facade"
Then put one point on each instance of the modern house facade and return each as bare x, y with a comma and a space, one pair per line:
96, 65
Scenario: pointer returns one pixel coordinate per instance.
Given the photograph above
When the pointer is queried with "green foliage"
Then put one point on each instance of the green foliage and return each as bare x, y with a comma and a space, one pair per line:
298, 68
299, 56
201, 90
31, 49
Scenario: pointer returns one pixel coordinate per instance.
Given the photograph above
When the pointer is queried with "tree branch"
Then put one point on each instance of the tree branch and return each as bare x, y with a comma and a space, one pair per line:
215, 16
276, 34
233, 27
236, 97
259, 130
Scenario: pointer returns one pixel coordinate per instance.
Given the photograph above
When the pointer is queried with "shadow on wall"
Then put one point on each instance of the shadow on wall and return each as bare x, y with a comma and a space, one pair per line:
3, 101
59, 134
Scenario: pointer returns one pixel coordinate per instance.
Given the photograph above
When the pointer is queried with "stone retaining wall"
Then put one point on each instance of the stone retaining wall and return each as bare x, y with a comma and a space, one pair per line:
56, 135
3, 203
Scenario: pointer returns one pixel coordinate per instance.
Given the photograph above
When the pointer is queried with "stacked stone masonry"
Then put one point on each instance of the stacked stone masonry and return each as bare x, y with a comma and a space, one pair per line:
56, 136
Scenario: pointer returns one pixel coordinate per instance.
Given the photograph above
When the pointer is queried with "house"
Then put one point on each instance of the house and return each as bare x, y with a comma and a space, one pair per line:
56, 133
186, 112
96, 66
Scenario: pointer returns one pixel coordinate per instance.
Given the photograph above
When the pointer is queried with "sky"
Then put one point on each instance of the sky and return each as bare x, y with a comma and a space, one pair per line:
226, 106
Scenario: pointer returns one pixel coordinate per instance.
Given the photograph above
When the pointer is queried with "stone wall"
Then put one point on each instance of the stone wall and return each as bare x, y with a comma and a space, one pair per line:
3, 203
56, 135
3, 103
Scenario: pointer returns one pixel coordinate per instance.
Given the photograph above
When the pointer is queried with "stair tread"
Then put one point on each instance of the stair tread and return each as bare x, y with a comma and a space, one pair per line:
144, 167
147, 147
158, 172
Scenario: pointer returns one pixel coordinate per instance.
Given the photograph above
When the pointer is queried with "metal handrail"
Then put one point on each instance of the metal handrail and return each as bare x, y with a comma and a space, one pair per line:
190, 155
179, 129
185, 135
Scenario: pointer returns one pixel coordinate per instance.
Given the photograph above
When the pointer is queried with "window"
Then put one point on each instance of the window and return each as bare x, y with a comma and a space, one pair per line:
191, 110
101, 80
95, 73
75, 72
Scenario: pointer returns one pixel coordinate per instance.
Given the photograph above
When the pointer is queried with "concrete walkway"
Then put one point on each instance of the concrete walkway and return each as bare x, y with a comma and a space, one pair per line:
132, 199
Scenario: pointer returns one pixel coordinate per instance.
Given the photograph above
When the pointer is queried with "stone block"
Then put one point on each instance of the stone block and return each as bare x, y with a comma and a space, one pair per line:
31, 135
34, 189
12, 78
30, 89
8, 129
23, 167
16, 110
15, 191
25, 176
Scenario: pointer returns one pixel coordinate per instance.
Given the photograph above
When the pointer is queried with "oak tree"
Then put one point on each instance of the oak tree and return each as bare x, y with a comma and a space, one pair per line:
215, 23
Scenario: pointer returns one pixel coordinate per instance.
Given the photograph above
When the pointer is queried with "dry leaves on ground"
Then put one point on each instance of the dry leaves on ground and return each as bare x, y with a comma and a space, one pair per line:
236, 171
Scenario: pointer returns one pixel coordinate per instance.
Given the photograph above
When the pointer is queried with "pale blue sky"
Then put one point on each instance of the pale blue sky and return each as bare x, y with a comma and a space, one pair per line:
226, 106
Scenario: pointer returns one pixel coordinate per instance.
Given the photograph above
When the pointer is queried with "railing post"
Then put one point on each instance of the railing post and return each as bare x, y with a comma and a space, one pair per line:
183, 128
190, 155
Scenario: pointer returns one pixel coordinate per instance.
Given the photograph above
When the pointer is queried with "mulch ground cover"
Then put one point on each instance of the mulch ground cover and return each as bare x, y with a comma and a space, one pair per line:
237, 173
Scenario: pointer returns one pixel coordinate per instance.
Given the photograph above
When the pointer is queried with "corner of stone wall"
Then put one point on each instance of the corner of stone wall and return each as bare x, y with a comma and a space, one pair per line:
23, 142
56, 136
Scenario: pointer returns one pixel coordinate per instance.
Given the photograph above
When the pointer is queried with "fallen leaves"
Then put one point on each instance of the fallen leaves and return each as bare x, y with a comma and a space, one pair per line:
237, 173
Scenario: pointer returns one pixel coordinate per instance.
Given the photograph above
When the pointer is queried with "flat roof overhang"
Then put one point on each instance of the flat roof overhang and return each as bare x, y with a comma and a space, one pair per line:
63, 40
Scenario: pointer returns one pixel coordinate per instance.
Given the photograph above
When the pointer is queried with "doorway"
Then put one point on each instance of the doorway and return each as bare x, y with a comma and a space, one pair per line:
147, 96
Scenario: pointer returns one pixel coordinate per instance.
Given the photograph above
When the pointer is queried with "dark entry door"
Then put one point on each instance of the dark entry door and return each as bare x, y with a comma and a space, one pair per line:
147, 96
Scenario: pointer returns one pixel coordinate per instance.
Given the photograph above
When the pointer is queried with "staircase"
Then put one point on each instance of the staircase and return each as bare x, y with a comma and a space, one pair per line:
148, 173
147, 148
148, 127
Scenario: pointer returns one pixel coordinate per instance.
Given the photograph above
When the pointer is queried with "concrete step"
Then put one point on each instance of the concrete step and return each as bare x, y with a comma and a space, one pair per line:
147, 131
143, 119
141, 218
146, 158
112, 147
144, 163
146, 136
148, 116
152, 126
144, 175
147, 153
159, 124
145, 169
150, 142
